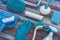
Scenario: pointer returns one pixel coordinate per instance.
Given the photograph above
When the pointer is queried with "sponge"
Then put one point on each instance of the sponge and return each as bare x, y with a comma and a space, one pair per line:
56, 17
16, 5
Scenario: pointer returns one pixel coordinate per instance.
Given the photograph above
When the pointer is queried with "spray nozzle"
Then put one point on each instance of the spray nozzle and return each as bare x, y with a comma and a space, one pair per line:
50, 35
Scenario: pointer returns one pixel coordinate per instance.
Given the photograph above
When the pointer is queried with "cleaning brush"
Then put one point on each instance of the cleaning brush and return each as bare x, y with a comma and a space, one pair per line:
50, 35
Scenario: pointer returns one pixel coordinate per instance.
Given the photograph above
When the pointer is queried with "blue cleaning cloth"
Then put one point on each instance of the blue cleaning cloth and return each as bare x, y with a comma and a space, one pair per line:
56, 17
23, 30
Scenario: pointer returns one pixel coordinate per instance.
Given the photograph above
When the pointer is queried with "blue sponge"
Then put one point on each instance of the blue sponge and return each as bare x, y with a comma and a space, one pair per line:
56, 17
5, 14
16, 5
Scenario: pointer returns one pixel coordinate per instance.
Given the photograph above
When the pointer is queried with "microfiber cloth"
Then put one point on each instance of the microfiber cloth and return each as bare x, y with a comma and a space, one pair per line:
16, 5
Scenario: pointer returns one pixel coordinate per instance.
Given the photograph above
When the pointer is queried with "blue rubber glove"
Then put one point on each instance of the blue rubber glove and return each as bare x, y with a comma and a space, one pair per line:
23, 30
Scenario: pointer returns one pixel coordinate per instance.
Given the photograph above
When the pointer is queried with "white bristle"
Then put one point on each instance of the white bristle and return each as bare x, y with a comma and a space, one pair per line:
8, 19
33, 15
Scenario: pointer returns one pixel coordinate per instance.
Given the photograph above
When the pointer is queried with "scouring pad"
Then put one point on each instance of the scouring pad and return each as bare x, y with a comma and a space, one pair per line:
16, 5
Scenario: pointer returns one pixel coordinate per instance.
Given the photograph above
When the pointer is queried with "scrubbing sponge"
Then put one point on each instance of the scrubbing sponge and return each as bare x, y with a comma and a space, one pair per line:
16, 5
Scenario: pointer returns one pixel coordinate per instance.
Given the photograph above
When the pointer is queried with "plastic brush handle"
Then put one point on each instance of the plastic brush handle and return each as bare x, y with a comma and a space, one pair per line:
38, 27
34, 16
39, 2
47, 5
